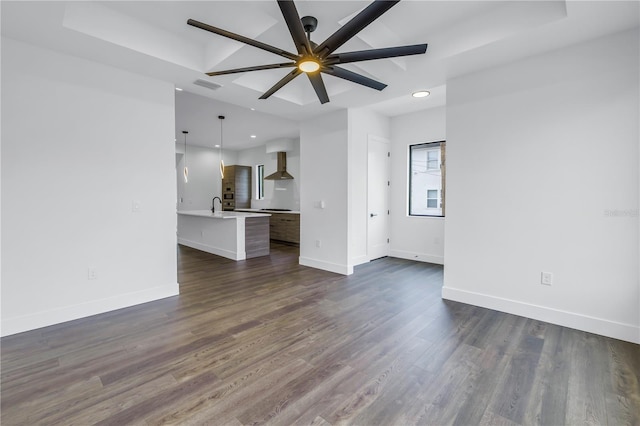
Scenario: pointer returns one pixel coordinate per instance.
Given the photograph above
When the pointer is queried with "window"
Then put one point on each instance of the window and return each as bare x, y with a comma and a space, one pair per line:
426, 179
260, 181
433, 159
432, 198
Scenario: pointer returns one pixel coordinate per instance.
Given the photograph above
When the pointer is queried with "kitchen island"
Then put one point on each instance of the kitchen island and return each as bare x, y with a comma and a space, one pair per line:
284, 225
234, 235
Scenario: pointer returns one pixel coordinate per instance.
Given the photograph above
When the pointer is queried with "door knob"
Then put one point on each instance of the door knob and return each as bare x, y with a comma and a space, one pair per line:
373, 214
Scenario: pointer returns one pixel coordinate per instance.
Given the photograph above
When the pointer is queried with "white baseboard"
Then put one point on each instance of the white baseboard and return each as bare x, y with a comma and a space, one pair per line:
68, 313
213, 250
326, 266
420, 257
359, 260
603, 327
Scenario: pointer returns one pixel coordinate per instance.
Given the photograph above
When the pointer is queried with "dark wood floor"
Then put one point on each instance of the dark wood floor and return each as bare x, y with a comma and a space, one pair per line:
269, 341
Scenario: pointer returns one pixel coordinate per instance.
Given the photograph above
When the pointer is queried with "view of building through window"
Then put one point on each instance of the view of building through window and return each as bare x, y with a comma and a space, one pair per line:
426, 179
260, 181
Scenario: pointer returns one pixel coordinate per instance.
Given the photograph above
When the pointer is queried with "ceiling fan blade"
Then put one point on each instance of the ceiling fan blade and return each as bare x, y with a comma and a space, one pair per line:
256, 68
243, 39
354, 77
287, 78
318, 85
354, 26
292, 18
368, 55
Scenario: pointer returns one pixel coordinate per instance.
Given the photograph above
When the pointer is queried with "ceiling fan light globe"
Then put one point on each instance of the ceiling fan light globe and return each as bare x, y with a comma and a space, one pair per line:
309, 65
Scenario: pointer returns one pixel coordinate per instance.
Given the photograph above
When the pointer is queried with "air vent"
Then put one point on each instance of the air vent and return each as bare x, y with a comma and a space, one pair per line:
207, 84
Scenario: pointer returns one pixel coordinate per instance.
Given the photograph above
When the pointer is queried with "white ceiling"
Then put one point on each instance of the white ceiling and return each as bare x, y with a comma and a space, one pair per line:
152, 38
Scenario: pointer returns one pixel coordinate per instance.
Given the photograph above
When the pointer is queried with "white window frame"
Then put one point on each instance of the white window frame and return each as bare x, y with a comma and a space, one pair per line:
436, 198
421, 210
437, 151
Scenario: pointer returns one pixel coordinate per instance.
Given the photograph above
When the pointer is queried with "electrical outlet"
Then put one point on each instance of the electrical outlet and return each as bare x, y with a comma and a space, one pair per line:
318, 243
92, 273
546, 278
135, 206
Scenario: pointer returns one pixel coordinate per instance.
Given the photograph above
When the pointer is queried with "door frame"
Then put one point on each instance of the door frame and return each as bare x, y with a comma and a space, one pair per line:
378, 139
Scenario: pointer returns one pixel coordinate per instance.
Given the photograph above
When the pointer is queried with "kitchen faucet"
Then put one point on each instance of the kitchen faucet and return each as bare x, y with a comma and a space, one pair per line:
213, 204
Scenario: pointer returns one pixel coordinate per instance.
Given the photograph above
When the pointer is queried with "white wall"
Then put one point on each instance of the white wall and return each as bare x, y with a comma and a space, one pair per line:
287, 194
414, 237
362, 124
81, 144
324, 177
204, 176
553, 140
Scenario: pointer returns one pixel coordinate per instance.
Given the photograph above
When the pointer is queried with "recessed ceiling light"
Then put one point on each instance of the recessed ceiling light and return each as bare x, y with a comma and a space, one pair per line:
216, 146
421, 94
253, 109
178, 89
253, 136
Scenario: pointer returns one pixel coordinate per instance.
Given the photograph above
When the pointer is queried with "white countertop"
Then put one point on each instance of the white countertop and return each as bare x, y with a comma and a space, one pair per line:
268, 211
221, 214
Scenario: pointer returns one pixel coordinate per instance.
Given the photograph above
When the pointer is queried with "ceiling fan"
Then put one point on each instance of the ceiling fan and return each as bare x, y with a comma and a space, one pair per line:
314, 59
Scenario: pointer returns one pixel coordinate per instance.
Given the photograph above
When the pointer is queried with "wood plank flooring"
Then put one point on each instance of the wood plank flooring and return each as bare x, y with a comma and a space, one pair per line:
267, 341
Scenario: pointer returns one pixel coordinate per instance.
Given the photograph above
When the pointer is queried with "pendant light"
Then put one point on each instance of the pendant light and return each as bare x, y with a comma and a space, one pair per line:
221, 117
186, 170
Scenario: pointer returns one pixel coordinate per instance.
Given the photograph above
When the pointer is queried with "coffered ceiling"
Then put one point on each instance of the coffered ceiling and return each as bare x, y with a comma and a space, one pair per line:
152, 38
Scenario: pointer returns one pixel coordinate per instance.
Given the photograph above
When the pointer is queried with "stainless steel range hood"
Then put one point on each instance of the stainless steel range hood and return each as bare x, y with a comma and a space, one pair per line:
281, 173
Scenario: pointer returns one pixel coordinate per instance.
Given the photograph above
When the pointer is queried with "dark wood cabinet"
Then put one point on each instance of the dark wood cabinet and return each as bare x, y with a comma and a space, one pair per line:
285, 227
236, 187
256, 236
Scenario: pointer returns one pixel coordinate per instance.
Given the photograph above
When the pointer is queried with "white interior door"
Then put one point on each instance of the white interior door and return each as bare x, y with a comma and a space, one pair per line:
378, 198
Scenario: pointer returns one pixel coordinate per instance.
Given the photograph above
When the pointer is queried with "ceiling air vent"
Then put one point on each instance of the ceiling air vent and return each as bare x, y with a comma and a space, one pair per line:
207, 84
